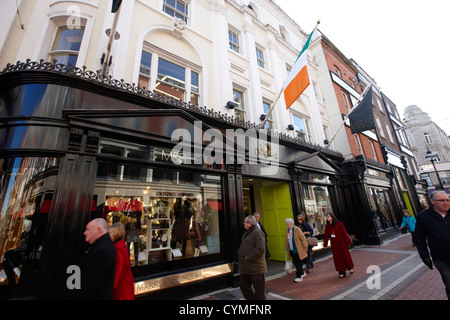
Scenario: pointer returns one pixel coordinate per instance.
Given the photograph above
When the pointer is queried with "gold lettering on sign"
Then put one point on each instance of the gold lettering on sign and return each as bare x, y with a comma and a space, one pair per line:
148, 286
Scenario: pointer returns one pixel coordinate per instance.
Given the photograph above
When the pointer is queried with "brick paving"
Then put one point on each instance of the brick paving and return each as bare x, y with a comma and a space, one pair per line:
403, 277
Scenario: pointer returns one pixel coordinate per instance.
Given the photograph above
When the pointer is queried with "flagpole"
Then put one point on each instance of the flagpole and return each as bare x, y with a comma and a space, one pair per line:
343, 122
282, 87
111, 39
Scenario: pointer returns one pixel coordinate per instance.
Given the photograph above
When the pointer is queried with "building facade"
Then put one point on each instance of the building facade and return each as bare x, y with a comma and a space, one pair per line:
79, 144
430, 145
151, 116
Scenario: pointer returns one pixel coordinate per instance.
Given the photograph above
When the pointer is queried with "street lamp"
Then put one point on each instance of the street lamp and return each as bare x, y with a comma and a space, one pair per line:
432, 157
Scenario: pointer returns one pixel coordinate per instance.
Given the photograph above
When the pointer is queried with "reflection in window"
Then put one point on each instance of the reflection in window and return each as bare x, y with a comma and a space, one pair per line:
66, 45
317, 206
27, 187
167, 215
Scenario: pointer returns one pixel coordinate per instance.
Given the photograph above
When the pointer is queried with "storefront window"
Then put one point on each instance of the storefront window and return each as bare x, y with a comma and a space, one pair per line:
167, 215
381, 205
317, 205
27, 187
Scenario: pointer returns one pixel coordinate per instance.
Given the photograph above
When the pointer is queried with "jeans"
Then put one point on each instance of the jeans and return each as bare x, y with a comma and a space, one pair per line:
444, 269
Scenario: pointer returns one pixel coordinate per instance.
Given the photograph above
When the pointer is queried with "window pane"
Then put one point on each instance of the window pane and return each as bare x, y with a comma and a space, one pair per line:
194, 82
171, 73
26, 193
170, 3
146, 61
181, 6
66, 59
67, 39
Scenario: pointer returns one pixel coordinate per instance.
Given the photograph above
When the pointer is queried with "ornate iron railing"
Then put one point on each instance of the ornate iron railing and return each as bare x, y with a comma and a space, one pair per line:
106, 80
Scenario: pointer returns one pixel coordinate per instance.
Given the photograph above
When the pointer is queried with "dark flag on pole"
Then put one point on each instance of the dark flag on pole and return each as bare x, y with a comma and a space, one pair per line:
361, 118
115, 5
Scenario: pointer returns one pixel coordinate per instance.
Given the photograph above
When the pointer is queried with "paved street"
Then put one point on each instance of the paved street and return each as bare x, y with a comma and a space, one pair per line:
403, 276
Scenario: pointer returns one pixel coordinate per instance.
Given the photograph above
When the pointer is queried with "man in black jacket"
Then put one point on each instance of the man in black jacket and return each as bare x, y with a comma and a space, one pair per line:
98, 269
433, 233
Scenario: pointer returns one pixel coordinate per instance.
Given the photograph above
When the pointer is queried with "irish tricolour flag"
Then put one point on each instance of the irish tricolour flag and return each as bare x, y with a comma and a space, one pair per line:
297, 80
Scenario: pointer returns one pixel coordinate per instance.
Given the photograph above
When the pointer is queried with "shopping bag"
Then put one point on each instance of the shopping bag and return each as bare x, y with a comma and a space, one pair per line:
287, 265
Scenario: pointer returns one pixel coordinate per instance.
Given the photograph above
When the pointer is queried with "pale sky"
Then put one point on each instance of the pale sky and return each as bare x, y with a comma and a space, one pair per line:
403, 44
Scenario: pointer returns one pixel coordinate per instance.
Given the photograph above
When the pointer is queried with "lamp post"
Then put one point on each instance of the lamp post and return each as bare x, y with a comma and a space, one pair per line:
432, 157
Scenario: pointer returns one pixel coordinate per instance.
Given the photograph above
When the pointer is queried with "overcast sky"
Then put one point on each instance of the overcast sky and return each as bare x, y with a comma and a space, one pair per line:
403, 44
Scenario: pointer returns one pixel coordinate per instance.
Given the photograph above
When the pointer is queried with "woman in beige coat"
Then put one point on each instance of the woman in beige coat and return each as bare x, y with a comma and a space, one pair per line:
297, 247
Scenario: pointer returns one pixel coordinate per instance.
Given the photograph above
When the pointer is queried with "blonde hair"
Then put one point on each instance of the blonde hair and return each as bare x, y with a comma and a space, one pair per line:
117, 230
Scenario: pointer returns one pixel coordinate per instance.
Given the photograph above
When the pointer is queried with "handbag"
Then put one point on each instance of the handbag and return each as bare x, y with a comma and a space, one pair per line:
312, 241
287, 265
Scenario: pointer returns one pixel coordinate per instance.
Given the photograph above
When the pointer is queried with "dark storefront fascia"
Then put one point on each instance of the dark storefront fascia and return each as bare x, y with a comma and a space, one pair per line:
57, 121
374, 209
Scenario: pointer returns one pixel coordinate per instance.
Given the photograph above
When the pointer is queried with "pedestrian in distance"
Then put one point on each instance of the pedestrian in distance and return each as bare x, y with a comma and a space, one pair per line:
257, 216
98, 267
123, 278
297, 248
432, 236
340, 241
308, 233
252, 261
408, 223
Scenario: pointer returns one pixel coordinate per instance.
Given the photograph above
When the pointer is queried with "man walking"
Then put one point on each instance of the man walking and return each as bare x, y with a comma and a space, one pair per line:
97, 273
433, 233
252, 262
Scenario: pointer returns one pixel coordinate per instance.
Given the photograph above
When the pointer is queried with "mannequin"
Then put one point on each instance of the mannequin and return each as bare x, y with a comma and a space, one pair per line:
199, 223
183, 213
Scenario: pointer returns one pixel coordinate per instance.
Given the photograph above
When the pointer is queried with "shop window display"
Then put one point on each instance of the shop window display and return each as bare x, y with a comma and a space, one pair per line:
317, 206
167, 215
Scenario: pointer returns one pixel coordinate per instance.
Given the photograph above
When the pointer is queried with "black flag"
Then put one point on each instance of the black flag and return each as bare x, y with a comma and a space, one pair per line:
115, 5
361, 118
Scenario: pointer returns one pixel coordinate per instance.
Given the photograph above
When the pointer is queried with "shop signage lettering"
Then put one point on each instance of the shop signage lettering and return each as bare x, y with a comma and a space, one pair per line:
174, 156
237, 146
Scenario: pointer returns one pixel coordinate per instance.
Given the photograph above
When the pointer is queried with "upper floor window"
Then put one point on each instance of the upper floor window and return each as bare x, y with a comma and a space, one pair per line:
269, 123
428, 138
66, 45
338, 72
144, 70
358, 144
233, 40
176, 8
171, 78
301, 128
260, 57
346, 102
239, 110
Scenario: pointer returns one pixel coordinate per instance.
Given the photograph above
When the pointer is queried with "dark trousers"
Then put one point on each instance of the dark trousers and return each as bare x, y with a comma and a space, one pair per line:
298, 264
258, 281
444, 269
309, 258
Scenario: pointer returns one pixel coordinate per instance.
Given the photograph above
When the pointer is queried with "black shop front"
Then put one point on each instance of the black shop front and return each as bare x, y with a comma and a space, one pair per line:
77, 146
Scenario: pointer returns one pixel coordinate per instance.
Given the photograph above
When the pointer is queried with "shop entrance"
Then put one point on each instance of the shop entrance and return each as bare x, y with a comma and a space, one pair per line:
272, 199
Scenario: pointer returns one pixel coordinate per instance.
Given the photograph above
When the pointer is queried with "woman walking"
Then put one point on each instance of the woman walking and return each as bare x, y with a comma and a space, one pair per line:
123, 279
297, 247
340, 241
308, 232
409, 223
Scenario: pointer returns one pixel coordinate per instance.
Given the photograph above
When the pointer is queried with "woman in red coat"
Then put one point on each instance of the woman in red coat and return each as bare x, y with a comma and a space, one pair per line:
123, 279
340, 241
